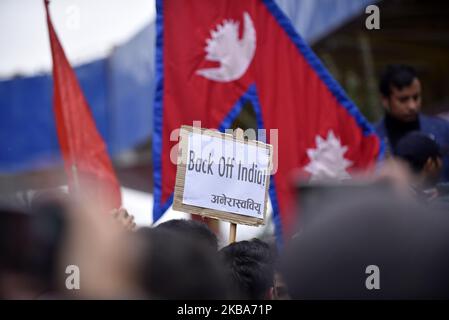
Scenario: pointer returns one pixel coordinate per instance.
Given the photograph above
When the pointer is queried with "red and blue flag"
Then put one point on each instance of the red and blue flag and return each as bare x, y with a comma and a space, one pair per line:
213, 56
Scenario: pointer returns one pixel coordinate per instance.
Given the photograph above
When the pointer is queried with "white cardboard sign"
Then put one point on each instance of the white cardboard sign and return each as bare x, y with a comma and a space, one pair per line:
222, 174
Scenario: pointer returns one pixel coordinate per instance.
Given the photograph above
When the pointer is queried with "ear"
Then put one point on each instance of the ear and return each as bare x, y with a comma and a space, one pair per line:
432, 165
439, 163
429, 165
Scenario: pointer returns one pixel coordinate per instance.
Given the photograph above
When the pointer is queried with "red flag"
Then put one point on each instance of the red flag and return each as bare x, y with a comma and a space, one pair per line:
86, 160
212, 56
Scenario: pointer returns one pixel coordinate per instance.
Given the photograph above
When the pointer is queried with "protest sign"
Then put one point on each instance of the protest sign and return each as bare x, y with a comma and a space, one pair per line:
222, 176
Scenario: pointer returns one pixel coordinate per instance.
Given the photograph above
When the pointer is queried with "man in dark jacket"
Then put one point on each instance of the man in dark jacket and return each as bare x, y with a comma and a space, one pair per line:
401, 98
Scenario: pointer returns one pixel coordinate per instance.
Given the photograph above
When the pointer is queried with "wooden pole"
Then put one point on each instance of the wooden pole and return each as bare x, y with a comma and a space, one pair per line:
232, 232
238, 134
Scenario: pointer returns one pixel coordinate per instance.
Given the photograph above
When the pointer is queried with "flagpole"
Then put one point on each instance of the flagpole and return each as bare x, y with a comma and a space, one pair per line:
74, 122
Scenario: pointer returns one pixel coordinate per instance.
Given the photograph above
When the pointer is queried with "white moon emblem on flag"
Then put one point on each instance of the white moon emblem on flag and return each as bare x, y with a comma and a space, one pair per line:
327, 161
233, 54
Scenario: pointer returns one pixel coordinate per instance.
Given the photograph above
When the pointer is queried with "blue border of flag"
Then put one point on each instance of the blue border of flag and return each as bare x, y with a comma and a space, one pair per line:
251, 95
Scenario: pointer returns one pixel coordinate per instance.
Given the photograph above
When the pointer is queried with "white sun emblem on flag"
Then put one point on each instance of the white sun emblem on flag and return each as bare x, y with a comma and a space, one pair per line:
327, 161
233, 54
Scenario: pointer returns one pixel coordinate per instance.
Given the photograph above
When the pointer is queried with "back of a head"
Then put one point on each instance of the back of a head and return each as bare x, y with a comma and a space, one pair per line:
330, 257
415, 148
29, 248
396, 76
192, 229
174, 267
15, 237
249, 268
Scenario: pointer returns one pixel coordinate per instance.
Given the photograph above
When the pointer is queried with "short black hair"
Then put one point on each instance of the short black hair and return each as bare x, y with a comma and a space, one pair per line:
415, 148
397, 76
249, 268
174, 267
30, 244
193, 230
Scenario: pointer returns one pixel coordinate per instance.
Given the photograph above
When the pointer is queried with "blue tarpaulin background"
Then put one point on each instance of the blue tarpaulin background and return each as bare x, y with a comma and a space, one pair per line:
120, 91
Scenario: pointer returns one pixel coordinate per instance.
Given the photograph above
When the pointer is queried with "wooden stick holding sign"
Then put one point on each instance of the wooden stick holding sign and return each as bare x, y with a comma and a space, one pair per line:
238, 134
222, 176
232, 232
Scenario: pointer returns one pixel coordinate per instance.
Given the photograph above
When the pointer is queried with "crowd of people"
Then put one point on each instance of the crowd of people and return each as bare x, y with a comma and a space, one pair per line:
396, 219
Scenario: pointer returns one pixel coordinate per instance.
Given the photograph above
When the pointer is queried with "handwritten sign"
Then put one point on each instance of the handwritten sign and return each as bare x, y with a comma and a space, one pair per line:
223, 177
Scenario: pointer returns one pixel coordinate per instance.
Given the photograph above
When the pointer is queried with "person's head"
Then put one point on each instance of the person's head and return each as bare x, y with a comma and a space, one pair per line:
171, 266
400, 89
192, 229
29, 249
369, 246
250, 269
422, 154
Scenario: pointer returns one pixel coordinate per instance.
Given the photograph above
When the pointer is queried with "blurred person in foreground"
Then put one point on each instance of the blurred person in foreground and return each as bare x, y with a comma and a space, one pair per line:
104, 252
357, 229
29, 246
423, 156
31, 233
96, 243
401, 95
192, 229
41, 238
173, 266
249, 270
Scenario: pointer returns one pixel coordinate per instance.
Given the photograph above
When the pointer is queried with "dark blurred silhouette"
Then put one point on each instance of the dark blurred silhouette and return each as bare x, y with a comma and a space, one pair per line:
350, 229
174, 267
30, 241
51, 230
249, 269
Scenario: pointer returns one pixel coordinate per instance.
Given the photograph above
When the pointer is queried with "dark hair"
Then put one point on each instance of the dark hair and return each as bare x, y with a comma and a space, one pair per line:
192, 229
30, 245
250, 269
415, 148
397, 76
174, 267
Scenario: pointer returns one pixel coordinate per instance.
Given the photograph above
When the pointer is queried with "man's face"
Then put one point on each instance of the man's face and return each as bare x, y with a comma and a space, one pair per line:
404, 104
